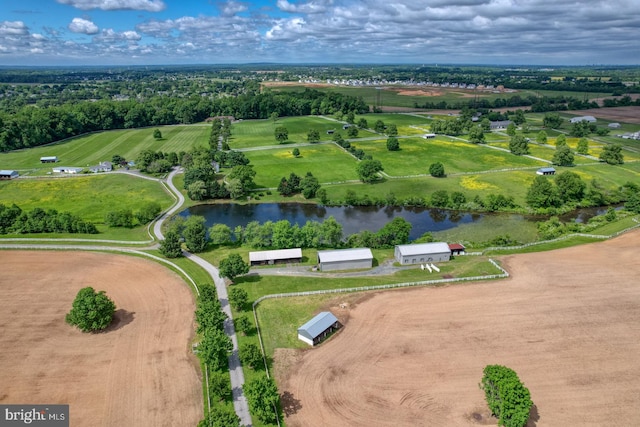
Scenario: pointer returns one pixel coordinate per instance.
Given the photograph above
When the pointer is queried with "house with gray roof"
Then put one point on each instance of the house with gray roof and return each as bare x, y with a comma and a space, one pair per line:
319, 328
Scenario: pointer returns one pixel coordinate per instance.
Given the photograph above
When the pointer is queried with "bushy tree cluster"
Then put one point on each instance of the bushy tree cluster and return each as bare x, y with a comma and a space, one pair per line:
282, 234
15, 220
215, 346
156, 161
262, 395
308, 185
231, 267
368, 170
91, 311
569, 188
519, 145
391, 234
449, 127
506, 395
612, 154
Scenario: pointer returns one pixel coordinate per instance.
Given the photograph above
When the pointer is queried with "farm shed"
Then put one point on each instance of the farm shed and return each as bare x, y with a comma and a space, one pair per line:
423, 252
500, 124
429, 135
345, 259
8, 174
579, 119
317, 329
102, 167
456, 249
546, 171
614, 125
275, 257
67, 169
48, 159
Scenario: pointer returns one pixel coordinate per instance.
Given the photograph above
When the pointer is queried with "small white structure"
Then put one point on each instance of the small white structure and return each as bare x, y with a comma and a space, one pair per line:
546, 171
500, 124
614, 125
67, 169
9, 174
429, 135
579, 119
318, 328
345, 259
422, 252
48, 159
275, 256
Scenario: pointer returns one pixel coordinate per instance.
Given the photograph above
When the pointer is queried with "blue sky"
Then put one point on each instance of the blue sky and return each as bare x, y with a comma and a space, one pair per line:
130, 32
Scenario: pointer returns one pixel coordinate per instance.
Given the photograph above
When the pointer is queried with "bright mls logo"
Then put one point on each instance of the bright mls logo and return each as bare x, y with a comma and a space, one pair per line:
37, 415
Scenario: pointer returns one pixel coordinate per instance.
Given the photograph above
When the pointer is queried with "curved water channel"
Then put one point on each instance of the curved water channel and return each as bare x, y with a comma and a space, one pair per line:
358, 218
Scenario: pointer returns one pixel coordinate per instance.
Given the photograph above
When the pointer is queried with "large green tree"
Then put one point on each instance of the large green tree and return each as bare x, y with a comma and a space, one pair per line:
612, 154
506, 395
563, 156
170, 246
263, 398
281, 134
233, 266
570, 186
214, 348
393, 144
583, 146
476, 135
313, 135
368, 170
519, 145
220, 417
542, 193
91, 311
552, 120
238, 298
195, 233
437, 170
251, 356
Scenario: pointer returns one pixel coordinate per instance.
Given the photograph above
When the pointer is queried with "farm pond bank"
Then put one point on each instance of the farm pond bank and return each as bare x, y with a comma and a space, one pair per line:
358, 218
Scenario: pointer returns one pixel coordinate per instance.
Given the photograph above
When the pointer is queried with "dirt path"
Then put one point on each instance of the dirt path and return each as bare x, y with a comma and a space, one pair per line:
566, 322
141, 372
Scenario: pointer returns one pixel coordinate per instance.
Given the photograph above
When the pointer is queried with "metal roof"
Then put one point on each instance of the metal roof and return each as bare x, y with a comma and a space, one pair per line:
546, 170
8, 172
423, 248
275, 254
317, 325
355, 254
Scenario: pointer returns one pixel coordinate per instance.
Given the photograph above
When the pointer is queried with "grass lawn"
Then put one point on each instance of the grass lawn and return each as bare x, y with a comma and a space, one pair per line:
92, 149
327, 162
90, 197
416, 154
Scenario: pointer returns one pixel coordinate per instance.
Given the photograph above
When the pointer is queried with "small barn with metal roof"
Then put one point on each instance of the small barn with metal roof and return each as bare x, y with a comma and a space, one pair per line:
422, 252
546, 171
345, 259
8, 174
275, 257
317, 329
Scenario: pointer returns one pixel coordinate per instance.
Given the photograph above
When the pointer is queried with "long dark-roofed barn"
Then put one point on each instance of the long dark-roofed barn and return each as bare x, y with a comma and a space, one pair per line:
317, 329
277, 256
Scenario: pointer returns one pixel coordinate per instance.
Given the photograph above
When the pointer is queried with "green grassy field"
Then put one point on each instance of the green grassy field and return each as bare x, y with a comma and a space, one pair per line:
92, 149
327, 162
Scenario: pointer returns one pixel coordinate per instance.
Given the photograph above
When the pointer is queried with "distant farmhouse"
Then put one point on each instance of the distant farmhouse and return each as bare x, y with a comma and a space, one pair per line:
345, 259
317, 329
500, 124
9, 174
102, 167
422, 252
278, 256
579, 119
48, 159
614, 125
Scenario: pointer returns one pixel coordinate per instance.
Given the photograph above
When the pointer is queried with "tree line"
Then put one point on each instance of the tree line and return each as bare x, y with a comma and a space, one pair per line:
13, 220
28, 126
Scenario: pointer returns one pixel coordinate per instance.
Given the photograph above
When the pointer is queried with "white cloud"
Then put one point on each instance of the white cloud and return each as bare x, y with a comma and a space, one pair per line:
109, 35
83, 26
13, 28
148, 5
310, 7
232, 7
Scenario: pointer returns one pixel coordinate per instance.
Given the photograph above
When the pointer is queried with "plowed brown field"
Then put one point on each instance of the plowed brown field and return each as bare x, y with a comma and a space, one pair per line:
567, 321
140, 372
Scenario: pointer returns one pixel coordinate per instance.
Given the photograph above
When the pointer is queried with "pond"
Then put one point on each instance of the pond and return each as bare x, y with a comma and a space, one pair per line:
353, 218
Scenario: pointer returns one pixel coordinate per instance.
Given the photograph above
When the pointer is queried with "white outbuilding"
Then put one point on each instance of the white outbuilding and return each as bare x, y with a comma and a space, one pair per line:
345, 259
422, 252
275, 257
318, 328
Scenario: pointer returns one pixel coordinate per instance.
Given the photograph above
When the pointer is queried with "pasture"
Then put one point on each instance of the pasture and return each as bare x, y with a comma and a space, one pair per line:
89, 150
327, 162
140, 371
415, 357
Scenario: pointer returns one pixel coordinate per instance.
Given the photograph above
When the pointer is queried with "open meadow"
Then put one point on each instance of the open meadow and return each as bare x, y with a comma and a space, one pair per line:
139, 372
565, 322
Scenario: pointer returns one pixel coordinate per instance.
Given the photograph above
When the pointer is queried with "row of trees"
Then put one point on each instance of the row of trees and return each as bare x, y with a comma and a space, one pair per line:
30, 127
125, 217
308, 185
13, 220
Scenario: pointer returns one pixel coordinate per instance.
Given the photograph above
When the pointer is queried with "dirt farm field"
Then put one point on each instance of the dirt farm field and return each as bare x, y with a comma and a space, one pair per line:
568, 322
140, 372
